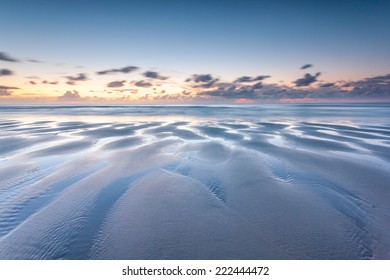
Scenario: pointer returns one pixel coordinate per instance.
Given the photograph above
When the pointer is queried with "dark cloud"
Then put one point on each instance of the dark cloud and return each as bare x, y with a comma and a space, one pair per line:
6, 57
243, 79
306, 66
123, 70
6, 87
230, 91
208, 85
70, 95
247, 79
203, 80
377, 86
116, 84
307, 80
143, 83
4, 92
376, 81
262, 77
154, 75
6, 72
260, 91
327, 85
257, 85
32, 83
73, 79
231, 94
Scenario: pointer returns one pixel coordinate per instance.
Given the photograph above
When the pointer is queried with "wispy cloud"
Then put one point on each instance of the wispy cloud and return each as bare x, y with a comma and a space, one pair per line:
7, 87
123, 70
247, 79
306, 66
34, 61
6, 57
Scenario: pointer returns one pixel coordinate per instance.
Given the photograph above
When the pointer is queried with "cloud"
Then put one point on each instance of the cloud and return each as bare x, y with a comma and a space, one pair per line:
203, 80
49, 83
34, 61
4, 92
247, 79
6, 72
207, 85
123, 70
257, 85
376, 81
142, 83
6, 87
116, 84
32, 83
233, 92
70, 96
307, 80
73, 79
154, 75
306, 66
327, 85
6, 57
377, 86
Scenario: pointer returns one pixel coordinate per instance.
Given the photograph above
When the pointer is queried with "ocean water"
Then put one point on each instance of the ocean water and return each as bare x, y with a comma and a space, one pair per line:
283, 181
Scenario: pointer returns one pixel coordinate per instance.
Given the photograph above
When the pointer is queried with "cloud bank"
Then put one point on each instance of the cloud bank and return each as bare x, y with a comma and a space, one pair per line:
206, 87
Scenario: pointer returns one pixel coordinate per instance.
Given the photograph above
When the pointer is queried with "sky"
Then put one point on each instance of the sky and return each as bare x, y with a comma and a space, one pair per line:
135, 52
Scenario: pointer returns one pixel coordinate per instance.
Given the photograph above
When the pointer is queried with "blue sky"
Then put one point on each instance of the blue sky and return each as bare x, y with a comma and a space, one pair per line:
343, 40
